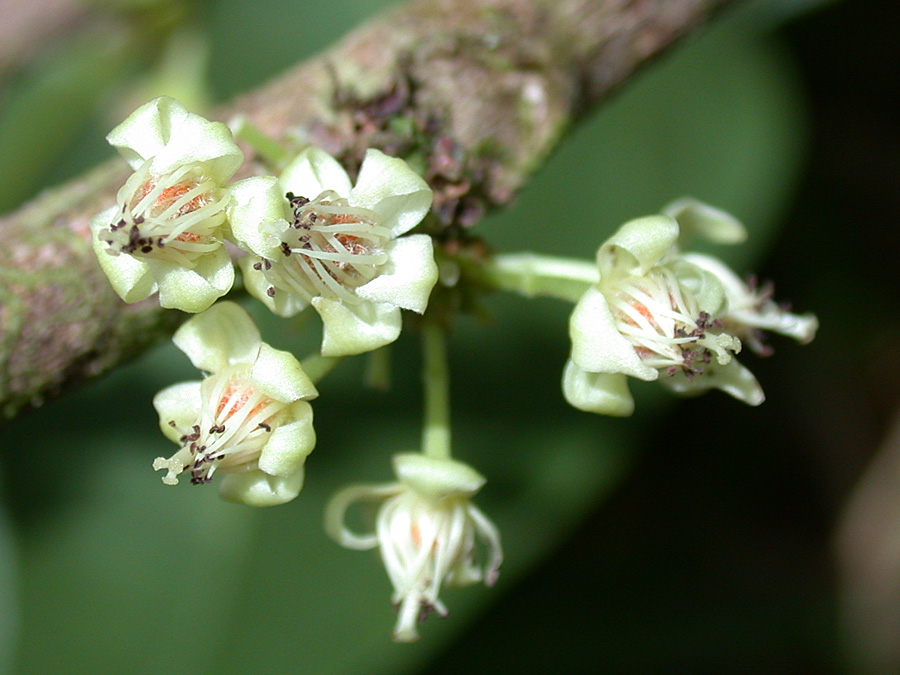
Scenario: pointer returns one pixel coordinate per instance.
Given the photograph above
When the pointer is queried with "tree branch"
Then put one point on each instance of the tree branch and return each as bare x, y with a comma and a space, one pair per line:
474, 93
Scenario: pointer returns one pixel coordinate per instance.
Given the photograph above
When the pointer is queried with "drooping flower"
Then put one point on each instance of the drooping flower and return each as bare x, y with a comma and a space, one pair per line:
428, 532
337, 247
168, 228
248, 420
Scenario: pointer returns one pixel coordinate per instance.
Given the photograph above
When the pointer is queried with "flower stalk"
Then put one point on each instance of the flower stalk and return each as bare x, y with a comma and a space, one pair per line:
532, 275
436, 380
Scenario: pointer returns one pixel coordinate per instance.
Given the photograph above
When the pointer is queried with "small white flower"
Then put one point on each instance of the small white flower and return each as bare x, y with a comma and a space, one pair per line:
167, 231
248, 420
652, 315
427, 531
337, 247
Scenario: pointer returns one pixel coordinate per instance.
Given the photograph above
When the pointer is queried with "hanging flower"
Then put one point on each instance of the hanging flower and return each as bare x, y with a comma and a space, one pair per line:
427, 531
338, 248
652, 315
168, 228
248, 420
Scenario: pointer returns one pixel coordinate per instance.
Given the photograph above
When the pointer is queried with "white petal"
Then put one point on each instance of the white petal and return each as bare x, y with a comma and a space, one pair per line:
290, 443
638, 245
179, 403
695, 217
222, 336
257, 488
166, 132
255, 201
280, 376
603, 393
597, 345
437, 479
337, 507
733, 379
355, 329
735, 289
408, 276
393, 190
130, 277
707, 288
193, 290
312, 172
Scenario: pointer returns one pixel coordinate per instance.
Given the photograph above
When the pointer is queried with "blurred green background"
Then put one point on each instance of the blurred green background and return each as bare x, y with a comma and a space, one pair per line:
695, 537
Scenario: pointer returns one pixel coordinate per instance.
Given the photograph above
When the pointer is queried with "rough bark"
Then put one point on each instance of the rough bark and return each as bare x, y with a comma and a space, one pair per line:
474, 93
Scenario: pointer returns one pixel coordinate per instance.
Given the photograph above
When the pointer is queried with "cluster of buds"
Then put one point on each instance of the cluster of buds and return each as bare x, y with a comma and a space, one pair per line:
656, 313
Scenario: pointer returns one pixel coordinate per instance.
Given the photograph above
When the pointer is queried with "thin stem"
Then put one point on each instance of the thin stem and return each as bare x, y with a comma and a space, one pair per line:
436, 379
317, 366
534, 275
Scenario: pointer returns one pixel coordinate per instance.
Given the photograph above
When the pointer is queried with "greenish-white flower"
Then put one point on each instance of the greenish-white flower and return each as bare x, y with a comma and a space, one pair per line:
319, 240
428, 532
248, 420
168, 229
654, 315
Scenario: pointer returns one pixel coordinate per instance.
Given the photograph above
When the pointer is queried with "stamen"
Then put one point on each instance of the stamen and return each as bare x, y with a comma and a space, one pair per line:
334, 248
230, 433
173, 217
668, 330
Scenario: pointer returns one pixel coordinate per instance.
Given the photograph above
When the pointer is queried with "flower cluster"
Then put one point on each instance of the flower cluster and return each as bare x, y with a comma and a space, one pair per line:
656, 313
312, 237
427, 531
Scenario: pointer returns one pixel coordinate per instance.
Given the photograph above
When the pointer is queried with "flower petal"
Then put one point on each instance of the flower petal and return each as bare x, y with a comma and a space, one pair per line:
290, 443
180, 404
257, 488
222, 336
193, 290
597, 345
706, 288
733, 379
255, 201
166, 132
695, 217
355, 329
280, 376
130, 277
312, 172
603, 393
744, 307
338, 505
437, 479
638, 245
388, 186
408, 276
